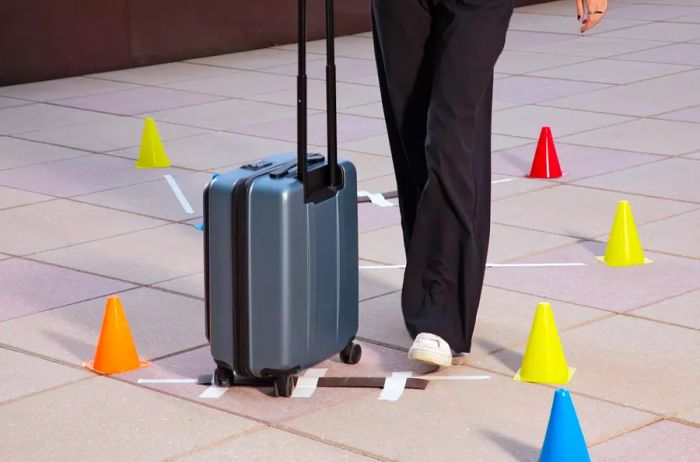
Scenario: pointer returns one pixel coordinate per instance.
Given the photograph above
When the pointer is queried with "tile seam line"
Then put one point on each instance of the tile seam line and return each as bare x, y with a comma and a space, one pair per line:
610, 84
47, 101
216, 443
612, 56
614, 435
682, 421
328, 442
10, 169
620, 191
143, 113
44, 390
654, 116
155, 84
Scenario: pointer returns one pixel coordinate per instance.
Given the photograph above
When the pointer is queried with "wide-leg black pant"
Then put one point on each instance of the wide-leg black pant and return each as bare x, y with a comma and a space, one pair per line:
435, 60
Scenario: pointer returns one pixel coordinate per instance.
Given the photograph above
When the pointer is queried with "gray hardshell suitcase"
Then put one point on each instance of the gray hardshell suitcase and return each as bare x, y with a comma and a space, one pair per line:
281, 260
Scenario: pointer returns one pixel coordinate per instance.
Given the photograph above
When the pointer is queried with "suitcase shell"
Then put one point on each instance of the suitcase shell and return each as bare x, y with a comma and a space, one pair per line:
281, 278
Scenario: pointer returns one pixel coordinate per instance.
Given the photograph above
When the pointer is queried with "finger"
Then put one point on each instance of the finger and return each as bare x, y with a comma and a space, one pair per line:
591, 21
579, 9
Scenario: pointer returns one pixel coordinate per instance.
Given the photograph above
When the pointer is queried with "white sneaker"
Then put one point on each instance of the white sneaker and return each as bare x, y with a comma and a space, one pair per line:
430, 349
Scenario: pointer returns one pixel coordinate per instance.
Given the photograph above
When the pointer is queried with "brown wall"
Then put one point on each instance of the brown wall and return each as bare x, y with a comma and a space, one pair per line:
45, 39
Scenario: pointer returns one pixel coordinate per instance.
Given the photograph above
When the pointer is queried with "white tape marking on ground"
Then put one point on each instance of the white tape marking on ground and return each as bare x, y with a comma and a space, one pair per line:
166, 381
454, 377
377, 199
178, 193
306, 384
394, 386
213, 392
488, 265
504, 180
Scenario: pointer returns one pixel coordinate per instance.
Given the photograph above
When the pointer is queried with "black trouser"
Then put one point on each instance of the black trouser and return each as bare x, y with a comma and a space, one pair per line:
435, 60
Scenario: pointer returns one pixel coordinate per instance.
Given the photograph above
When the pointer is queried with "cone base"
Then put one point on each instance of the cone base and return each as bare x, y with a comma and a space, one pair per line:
137, 165
518, 378
546, 178
646, 262
91, 365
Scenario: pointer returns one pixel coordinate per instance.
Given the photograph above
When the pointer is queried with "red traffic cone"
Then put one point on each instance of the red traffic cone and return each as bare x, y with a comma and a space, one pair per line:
546, 163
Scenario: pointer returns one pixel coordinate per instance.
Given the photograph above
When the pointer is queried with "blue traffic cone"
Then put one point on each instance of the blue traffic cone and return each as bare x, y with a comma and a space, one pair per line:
564, 440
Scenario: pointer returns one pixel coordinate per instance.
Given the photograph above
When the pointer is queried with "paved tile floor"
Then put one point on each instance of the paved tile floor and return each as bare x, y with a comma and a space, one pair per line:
78, 222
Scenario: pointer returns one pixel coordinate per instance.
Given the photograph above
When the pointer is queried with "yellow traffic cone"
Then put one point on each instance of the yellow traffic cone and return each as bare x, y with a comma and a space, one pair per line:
624, 248
544, 360
151, 154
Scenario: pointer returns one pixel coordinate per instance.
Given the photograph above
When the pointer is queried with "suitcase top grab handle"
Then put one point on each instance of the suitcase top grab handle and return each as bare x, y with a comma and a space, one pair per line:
323, 182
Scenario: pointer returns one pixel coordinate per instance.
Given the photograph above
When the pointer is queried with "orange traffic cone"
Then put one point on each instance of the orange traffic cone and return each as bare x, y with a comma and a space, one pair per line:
115, 351
546, 162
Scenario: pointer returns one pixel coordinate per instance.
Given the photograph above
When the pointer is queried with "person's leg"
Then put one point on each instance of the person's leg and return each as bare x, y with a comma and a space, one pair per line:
401, 32
447, 254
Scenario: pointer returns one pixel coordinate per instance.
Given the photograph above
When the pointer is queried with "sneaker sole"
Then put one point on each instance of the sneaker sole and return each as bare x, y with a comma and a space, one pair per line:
429, 357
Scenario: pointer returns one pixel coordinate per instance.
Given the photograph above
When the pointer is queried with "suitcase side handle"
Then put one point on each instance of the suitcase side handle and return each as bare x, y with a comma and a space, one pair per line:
325, 181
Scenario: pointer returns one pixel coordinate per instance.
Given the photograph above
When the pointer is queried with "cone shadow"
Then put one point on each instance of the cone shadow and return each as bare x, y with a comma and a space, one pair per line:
504, 355
520, 451
82, 350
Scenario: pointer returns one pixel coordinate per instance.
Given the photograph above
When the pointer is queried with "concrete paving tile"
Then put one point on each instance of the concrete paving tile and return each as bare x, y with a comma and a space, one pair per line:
162, 73
80, 175
59, 223
522, 62
376, 282
577, 161
564, 24
254, 59
679, 53
670, 93
514, 429
349, 46
695, 155
526, 121
611, 71
138, 100
381, 184
11, 102
651, 12
114, 132
518, 40
499, 142
674, 235
371, 217
349, 128
260, 445
20, 153
148, 256
594, 46
368, 165
348, 94
29, 287
237, 84
51, 90
645, 135
515, 186
591, 216
692, 18
155, 198
596, 284
258, 402
345, 68
368, 110
225, 115
56, 425
556, 8
32, 117
684, 115
383, 245
681, 310
504, 319
626, 360
378, 145
529, 90
371, 79
217, 151
653, 180
27, 374
691, 415
10, 197
668, 31
508, 242
189, 285
660, 441
161, 324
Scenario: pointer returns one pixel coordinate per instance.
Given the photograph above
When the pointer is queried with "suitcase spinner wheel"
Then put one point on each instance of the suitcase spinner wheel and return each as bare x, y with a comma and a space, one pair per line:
284, 386
352, 353
223, 377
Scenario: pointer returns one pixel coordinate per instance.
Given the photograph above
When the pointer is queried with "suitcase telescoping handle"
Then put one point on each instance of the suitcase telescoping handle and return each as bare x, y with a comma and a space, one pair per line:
320, 183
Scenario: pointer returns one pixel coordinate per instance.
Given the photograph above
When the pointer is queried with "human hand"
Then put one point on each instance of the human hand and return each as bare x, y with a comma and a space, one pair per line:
592, 14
